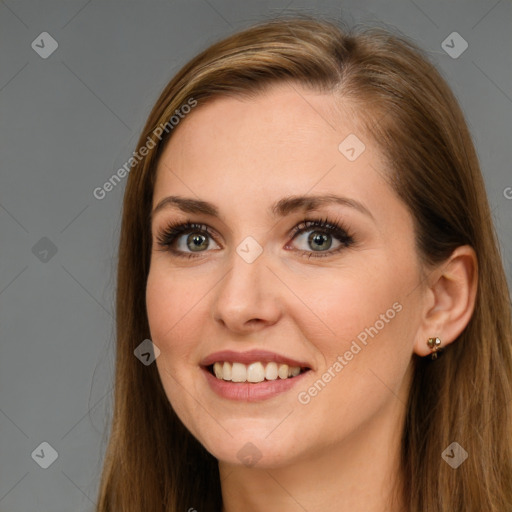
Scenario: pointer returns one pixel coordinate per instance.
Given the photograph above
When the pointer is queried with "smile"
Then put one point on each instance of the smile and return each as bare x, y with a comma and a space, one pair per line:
252, 376
254, 372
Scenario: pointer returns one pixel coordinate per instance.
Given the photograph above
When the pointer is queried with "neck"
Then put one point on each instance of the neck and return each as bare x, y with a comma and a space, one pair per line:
355, 475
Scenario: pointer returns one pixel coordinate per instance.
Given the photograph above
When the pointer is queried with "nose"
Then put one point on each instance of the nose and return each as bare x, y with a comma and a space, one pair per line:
247, 298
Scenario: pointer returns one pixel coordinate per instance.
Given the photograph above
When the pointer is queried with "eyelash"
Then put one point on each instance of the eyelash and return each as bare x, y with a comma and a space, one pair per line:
168, 235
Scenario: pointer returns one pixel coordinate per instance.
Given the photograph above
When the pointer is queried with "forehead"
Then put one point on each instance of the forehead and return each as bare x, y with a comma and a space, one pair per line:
251, 152
272, 123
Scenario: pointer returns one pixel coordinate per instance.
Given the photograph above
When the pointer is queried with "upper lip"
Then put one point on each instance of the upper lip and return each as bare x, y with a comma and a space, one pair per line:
251, 356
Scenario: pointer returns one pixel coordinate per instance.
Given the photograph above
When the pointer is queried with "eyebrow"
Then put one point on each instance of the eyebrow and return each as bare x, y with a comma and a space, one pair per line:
284, 206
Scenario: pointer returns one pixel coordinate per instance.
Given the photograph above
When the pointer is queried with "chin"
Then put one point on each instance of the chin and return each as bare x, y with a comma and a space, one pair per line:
252, 454
251, 446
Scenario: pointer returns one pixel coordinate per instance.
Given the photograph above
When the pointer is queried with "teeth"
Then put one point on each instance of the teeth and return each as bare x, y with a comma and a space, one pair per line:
254, 372
271, 371
217, 369
226, 371
238, 372
283, 371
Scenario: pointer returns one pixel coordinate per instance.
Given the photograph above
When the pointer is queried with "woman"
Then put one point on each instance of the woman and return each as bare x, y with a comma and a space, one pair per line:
307, 243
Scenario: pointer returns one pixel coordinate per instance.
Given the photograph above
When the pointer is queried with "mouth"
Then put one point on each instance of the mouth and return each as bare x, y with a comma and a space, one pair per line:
252, 376
255, 372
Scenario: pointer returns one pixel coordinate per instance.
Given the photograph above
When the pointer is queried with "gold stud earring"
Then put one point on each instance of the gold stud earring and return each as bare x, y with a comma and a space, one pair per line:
434, 344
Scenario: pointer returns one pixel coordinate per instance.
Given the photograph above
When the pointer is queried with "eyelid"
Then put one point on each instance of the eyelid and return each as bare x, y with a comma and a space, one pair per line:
336, 228
180, 228
167, 235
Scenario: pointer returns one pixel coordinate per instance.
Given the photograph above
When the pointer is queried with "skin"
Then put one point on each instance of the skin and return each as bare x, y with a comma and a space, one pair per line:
339, 451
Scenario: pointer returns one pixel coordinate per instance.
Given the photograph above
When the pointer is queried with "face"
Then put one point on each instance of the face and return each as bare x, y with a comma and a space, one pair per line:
269, 282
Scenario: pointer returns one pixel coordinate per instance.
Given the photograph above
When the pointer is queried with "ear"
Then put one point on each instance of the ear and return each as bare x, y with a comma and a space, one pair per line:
449, 299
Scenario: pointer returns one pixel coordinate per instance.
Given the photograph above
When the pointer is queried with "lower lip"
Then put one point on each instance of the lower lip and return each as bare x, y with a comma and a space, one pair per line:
249, 391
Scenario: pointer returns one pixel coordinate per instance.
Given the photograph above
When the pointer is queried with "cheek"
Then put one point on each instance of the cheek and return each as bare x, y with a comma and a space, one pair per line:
362, 325
363, 364
172, 315
171, 309
342, 305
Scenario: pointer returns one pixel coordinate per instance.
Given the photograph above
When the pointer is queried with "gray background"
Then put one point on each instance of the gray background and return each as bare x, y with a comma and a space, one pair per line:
69, 121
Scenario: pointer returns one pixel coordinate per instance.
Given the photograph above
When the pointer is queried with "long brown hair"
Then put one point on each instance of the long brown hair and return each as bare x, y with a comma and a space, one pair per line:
152, 462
